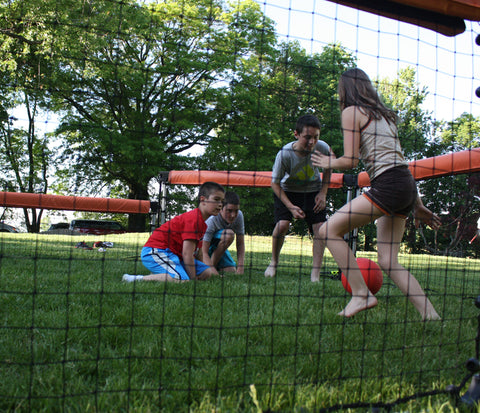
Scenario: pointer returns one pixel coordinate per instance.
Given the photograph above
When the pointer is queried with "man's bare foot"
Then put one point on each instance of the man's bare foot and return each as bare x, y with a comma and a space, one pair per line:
357, 304
271, 270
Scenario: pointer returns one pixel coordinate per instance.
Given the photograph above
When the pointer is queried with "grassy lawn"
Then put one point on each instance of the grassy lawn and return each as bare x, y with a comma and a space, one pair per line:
74, 337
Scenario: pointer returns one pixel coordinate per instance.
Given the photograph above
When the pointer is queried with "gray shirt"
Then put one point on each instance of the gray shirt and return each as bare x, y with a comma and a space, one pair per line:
296, 173
216, 223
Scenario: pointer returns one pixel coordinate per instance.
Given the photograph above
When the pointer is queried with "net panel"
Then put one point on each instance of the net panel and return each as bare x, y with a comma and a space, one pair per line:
125, 90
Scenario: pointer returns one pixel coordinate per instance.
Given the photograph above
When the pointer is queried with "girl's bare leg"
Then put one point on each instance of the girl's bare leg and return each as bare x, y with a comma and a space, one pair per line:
355, 214
389, 236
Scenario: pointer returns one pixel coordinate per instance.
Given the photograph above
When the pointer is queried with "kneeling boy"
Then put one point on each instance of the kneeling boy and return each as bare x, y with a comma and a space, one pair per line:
173, 251
221, 232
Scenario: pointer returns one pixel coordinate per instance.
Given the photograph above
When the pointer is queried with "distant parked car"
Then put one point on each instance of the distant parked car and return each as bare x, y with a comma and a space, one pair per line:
7, 228
59, 228
59, 225
96, 227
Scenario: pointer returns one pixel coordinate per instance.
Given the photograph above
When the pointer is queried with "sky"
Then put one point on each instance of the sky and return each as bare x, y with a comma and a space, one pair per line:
382, 46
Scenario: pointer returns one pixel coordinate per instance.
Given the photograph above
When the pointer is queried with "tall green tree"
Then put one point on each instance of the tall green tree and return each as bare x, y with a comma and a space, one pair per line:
407, 97
264, 101
456, 197
24, 152
135, 84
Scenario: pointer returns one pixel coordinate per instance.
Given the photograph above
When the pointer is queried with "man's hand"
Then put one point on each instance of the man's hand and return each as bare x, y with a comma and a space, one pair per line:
297, 212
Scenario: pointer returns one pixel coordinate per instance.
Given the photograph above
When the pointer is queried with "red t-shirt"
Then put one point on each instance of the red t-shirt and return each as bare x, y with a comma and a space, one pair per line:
187, 226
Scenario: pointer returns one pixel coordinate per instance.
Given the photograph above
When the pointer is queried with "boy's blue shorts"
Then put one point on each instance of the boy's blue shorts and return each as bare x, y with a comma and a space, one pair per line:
226, 260
159, 261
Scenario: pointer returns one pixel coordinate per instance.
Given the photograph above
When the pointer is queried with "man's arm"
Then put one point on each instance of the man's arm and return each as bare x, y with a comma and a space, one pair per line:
188, 251
297, 212
240, 253
206, 259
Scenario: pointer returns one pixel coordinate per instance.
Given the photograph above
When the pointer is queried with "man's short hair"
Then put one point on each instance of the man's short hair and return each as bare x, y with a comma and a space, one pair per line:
231, 198
307, 120
208, 188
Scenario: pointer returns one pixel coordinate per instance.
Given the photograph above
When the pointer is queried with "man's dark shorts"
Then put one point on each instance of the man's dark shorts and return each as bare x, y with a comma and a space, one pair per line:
394, 192
306, 201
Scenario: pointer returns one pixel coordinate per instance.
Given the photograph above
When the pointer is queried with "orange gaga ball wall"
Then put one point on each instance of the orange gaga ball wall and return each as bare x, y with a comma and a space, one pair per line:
449, 164
73, 203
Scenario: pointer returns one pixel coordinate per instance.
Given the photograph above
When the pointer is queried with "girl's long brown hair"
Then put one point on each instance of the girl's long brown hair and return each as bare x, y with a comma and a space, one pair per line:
356, 89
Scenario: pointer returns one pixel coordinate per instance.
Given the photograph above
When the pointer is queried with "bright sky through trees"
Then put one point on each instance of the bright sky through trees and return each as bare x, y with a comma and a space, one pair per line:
445, 65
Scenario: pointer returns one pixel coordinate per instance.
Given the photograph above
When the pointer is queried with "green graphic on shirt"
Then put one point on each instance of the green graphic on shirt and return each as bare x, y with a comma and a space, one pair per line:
305, 174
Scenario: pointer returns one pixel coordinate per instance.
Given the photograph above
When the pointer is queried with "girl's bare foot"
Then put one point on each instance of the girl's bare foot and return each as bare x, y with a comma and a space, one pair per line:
359, 303
431, 316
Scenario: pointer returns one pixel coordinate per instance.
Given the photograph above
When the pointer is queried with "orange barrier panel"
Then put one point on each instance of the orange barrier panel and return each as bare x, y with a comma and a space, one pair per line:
73, 203
233, 178
437, 166
450, 164
454, 163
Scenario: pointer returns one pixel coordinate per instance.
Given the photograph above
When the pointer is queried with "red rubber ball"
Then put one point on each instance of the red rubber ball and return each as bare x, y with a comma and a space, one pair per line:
372, 274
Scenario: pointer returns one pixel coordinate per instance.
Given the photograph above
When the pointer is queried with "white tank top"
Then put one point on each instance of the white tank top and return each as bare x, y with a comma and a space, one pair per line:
380, 147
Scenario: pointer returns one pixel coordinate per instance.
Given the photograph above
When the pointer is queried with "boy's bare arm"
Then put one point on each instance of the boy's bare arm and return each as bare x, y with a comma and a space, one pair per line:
205, 258
188, 257
297, 212
240, 253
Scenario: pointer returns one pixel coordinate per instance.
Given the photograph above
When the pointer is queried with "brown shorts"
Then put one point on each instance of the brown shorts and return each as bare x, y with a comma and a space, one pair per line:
394, 192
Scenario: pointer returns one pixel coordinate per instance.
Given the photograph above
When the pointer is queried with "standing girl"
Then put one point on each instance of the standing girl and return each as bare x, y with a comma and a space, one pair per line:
370, 134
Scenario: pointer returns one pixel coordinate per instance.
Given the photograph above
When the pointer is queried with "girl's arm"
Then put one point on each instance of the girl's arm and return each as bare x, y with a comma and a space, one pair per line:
352, 119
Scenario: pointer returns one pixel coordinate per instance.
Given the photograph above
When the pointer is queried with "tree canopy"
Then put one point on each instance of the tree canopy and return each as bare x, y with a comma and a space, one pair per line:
137, 85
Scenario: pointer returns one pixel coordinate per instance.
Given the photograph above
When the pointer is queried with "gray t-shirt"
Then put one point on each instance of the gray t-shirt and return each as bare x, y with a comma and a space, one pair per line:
216, 222
295, 173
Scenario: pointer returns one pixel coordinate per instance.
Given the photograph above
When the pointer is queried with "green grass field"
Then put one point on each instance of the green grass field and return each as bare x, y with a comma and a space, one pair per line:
74, 337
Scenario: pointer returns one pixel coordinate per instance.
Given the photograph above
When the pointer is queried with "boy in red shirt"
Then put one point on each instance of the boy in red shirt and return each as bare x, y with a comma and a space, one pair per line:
173, 251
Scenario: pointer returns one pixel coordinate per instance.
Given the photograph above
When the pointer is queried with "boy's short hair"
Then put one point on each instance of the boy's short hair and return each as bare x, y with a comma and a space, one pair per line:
231, 198
207, 188
307, 120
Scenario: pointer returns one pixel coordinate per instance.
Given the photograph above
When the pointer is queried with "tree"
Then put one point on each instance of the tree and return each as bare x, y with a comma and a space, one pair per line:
136, 85
264, 101
24, 156
455, 196
406, 97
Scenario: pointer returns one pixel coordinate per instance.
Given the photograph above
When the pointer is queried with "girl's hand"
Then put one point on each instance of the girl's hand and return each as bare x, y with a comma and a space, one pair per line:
423, 214
320, 160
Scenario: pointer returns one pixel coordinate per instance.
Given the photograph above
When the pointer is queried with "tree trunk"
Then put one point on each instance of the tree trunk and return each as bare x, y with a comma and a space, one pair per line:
138, 222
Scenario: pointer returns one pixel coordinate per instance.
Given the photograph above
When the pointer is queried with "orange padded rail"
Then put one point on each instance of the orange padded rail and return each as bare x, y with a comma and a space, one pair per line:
233, 178
437, 166
73, 203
